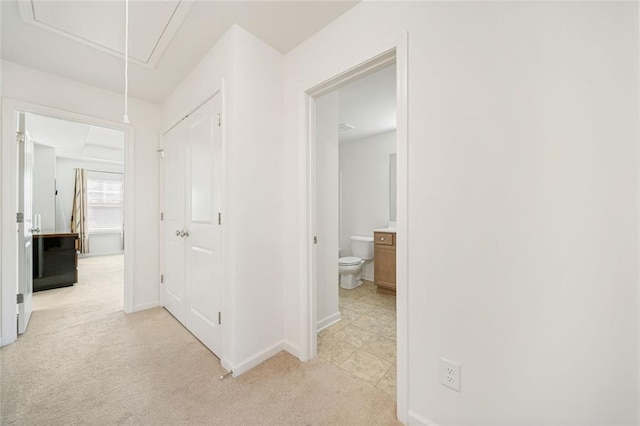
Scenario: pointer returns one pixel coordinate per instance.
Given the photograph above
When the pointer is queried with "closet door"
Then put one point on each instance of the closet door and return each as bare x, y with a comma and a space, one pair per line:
203, 243
192, 231
174, 291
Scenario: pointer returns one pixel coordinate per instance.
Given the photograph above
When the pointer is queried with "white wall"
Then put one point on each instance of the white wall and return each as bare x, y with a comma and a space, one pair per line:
44, 185
522, 202
103, 243
327, 282
252, 211
30, 85
364, 168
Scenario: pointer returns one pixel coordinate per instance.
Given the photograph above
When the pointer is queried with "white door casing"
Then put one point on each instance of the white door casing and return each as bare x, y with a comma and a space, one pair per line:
9, 247
25, 227
192, 231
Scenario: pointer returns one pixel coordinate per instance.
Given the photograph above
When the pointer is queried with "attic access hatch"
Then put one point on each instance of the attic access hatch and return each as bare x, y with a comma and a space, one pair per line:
101, 25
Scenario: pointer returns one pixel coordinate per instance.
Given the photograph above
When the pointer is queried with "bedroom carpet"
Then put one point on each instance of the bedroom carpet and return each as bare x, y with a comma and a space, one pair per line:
83, 361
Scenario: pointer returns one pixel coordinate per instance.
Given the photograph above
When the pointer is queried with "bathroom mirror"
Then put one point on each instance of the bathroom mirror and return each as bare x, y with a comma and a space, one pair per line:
392, 188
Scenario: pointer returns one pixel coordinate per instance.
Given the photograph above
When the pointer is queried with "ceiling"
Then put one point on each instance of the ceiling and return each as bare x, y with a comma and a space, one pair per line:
76, 140
84, 40
368, 104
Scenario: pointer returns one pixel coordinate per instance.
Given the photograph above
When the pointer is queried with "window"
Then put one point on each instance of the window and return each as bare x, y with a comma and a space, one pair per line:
105, 202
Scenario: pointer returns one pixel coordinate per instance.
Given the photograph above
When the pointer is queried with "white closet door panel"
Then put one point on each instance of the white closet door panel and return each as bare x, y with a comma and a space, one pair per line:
204, 257
174, 294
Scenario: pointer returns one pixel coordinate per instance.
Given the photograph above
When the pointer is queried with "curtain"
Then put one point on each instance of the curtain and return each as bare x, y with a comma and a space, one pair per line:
79, 212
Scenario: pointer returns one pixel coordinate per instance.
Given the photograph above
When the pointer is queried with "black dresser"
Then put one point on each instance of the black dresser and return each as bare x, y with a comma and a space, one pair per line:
55, 260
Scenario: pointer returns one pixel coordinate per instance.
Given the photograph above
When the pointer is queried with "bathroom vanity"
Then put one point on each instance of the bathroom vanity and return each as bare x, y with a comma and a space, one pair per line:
384, 260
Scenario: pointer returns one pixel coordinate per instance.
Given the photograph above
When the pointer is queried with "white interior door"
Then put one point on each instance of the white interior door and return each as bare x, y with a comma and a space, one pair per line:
192, 231
204, 257
173, 295
25, 238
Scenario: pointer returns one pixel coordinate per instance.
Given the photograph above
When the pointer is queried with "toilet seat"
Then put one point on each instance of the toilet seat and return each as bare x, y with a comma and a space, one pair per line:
349, 261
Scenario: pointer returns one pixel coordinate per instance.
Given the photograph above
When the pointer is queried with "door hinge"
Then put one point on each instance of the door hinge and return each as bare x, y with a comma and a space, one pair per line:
219, 120
20, 217
161, 216
20, 298
315, 239
219, 218
162, 279
219, 318
161, 152
20, 137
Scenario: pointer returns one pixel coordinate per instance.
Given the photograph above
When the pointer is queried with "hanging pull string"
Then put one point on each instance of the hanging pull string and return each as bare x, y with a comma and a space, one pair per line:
126, 62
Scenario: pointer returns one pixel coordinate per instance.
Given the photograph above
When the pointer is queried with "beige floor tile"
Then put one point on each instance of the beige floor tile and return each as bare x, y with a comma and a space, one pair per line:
345, 302
361, 308
389, 331
364, 290
366, 367
382, 347
335, 351
370, 323
366, 336
354, 335
387, 302
347, 295
349, 315
383, 314
370, 299
333, 328
388, 382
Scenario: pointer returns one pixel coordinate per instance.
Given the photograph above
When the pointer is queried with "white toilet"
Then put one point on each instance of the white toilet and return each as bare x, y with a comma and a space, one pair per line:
349, 267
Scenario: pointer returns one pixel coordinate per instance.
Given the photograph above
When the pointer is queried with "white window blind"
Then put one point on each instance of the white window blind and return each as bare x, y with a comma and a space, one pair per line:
105, 195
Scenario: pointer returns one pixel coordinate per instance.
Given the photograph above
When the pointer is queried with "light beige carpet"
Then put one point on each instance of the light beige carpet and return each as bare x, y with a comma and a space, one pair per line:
83, 361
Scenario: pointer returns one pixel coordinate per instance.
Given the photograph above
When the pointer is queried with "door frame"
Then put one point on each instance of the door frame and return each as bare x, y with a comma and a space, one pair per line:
384, 55
8, 204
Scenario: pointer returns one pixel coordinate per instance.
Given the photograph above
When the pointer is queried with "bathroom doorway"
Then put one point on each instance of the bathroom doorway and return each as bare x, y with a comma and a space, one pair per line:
355, 202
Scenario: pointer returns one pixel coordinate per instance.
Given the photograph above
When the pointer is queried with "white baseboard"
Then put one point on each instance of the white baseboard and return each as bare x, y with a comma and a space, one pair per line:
328, 321
256, 359
292, 349
5, 342
145, 306
416, 419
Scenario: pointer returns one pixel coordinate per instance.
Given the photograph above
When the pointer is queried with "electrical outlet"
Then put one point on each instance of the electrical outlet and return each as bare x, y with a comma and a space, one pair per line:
450, 374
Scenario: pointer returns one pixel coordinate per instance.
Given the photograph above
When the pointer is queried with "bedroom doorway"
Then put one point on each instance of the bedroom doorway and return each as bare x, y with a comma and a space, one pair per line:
81, 210
78, 206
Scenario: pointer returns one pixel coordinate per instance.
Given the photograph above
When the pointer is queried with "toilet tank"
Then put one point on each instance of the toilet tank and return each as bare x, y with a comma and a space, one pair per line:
362, 247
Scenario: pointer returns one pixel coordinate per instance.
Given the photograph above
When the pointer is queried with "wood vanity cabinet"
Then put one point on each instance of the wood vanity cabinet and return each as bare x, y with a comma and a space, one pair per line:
384, 262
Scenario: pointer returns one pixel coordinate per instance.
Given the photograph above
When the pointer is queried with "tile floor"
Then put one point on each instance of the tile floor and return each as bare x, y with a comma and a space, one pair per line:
363, 343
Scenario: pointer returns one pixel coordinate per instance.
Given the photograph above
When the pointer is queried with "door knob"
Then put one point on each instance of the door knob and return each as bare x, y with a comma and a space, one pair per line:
185, 234
178, 234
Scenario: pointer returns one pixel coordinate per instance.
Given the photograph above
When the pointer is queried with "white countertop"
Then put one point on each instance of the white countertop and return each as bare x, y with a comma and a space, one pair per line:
389, 229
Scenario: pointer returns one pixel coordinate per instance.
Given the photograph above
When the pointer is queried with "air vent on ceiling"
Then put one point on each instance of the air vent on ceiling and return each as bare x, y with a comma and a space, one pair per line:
343, 127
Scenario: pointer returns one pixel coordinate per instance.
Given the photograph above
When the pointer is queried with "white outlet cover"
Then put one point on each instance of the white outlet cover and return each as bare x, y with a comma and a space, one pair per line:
449, 373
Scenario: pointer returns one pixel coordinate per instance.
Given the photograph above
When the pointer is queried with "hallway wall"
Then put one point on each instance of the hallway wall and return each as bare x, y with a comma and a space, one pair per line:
522, 202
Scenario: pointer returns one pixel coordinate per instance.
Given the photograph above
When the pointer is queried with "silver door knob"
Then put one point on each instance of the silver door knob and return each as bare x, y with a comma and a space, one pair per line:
178, 234
185, 234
